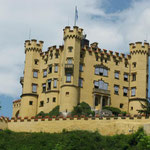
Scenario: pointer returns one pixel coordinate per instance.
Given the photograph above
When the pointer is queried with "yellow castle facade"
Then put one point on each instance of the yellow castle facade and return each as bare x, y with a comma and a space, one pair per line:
78, 72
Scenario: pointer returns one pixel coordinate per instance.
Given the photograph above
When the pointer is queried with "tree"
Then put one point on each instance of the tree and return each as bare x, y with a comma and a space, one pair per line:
145, 108
82, 109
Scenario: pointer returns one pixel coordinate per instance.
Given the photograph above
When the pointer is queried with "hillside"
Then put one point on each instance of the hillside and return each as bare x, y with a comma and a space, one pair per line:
74, 140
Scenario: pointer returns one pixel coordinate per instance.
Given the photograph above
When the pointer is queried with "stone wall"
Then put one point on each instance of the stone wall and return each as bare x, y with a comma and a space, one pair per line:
106, 125
3, 123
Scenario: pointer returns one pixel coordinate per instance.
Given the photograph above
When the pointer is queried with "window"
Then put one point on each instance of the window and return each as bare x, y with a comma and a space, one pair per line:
101, 85
54, 99
34, 88
35, 74
47, 100
81, 68
117, 62
80, 82
45, 61
70, 49
134, 64
81, 55
69, 60
49, 84
133, 90
126, 65
50, 68
116, 74
116, 89
101, 59
30, 102
51, 55
56, 55
56, 68
101, 71
55, 83
96, 58
41, 103
68, 77
121, 105
67, 93
131, 108
125, 77
105, 60
44, 73
125, 91
36, 62
96, 84
44, 87
133, 76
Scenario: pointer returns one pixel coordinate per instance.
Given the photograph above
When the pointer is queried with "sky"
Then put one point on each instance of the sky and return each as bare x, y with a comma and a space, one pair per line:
112, 23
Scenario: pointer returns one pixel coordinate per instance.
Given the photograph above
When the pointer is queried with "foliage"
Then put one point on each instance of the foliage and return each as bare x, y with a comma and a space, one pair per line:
73, 140
54, 112
145, 108
114, 110
82, 109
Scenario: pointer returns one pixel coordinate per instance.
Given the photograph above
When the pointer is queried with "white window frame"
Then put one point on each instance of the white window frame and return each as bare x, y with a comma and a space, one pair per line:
55, 83
133, 91
56, 68
35, 73
34, 88
68, 77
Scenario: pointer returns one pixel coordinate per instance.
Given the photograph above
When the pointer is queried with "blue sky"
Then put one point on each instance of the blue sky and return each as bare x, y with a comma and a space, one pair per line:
111, 23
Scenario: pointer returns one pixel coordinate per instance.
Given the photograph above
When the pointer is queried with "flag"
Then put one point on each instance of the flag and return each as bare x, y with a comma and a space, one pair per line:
76, 16
76, 13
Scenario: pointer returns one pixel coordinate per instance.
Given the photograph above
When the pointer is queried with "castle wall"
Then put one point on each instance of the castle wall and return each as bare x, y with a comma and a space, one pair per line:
106, 126
3, 123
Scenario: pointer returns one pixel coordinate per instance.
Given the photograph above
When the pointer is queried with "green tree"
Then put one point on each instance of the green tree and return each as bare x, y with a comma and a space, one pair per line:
82, 109
145, 108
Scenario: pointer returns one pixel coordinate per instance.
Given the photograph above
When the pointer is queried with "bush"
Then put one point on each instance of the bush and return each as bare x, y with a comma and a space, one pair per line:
114, 110
73, 140
54, 112
82, 109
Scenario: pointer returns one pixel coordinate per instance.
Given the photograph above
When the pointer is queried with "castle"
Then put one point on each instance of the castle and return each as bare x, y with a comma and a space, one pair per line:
78, 72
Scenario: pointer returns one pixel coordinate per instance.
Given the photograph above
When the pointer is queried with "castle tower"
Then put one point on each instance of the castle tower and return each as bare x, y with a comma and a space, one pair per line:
30, 81
69, 96
138, 76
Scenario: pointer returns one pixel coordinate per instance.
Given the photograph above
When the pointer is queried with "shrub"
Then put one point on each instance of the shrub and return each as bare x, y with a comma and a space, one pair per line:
82, 109
114, 110
53, 112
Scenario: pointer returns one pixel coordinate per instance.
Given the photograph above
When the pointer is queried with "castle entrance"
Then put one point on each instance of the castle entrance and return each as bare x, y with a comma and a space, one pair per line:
101, 101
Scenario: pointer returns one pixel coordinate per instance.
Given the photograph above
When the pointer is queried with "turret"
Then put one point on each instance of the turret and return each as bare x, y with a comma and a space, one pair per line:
69, 96
139, 75
30, 81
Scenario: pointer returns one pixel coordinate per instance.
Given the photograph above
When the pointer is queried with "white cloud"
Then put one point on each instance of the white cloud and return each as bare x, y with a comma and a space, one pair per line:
47, 18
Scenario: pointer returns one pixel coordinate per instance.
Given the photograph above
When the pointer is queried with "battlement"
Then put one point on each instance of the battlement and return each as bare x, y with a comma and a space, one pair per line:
105, 125
76, 32
33, 45
106, 53
139, 47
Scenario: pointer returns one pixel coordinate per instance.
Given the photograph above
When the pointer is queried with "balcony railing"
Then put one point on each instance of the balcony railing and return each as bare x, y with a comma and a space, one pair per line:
101, 91
69, 68
21, 80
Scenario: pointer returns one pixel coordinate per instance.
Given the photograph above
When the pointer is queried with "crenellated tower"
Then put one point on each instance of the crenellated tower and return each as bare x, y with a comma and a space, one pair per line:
30, 79
138, 75
69, 96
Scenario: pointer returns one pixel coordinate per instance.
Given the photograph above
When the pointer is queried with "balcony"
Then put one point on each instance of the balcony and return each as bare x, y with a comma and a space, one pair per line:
21, 80
101, 91
69, 68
